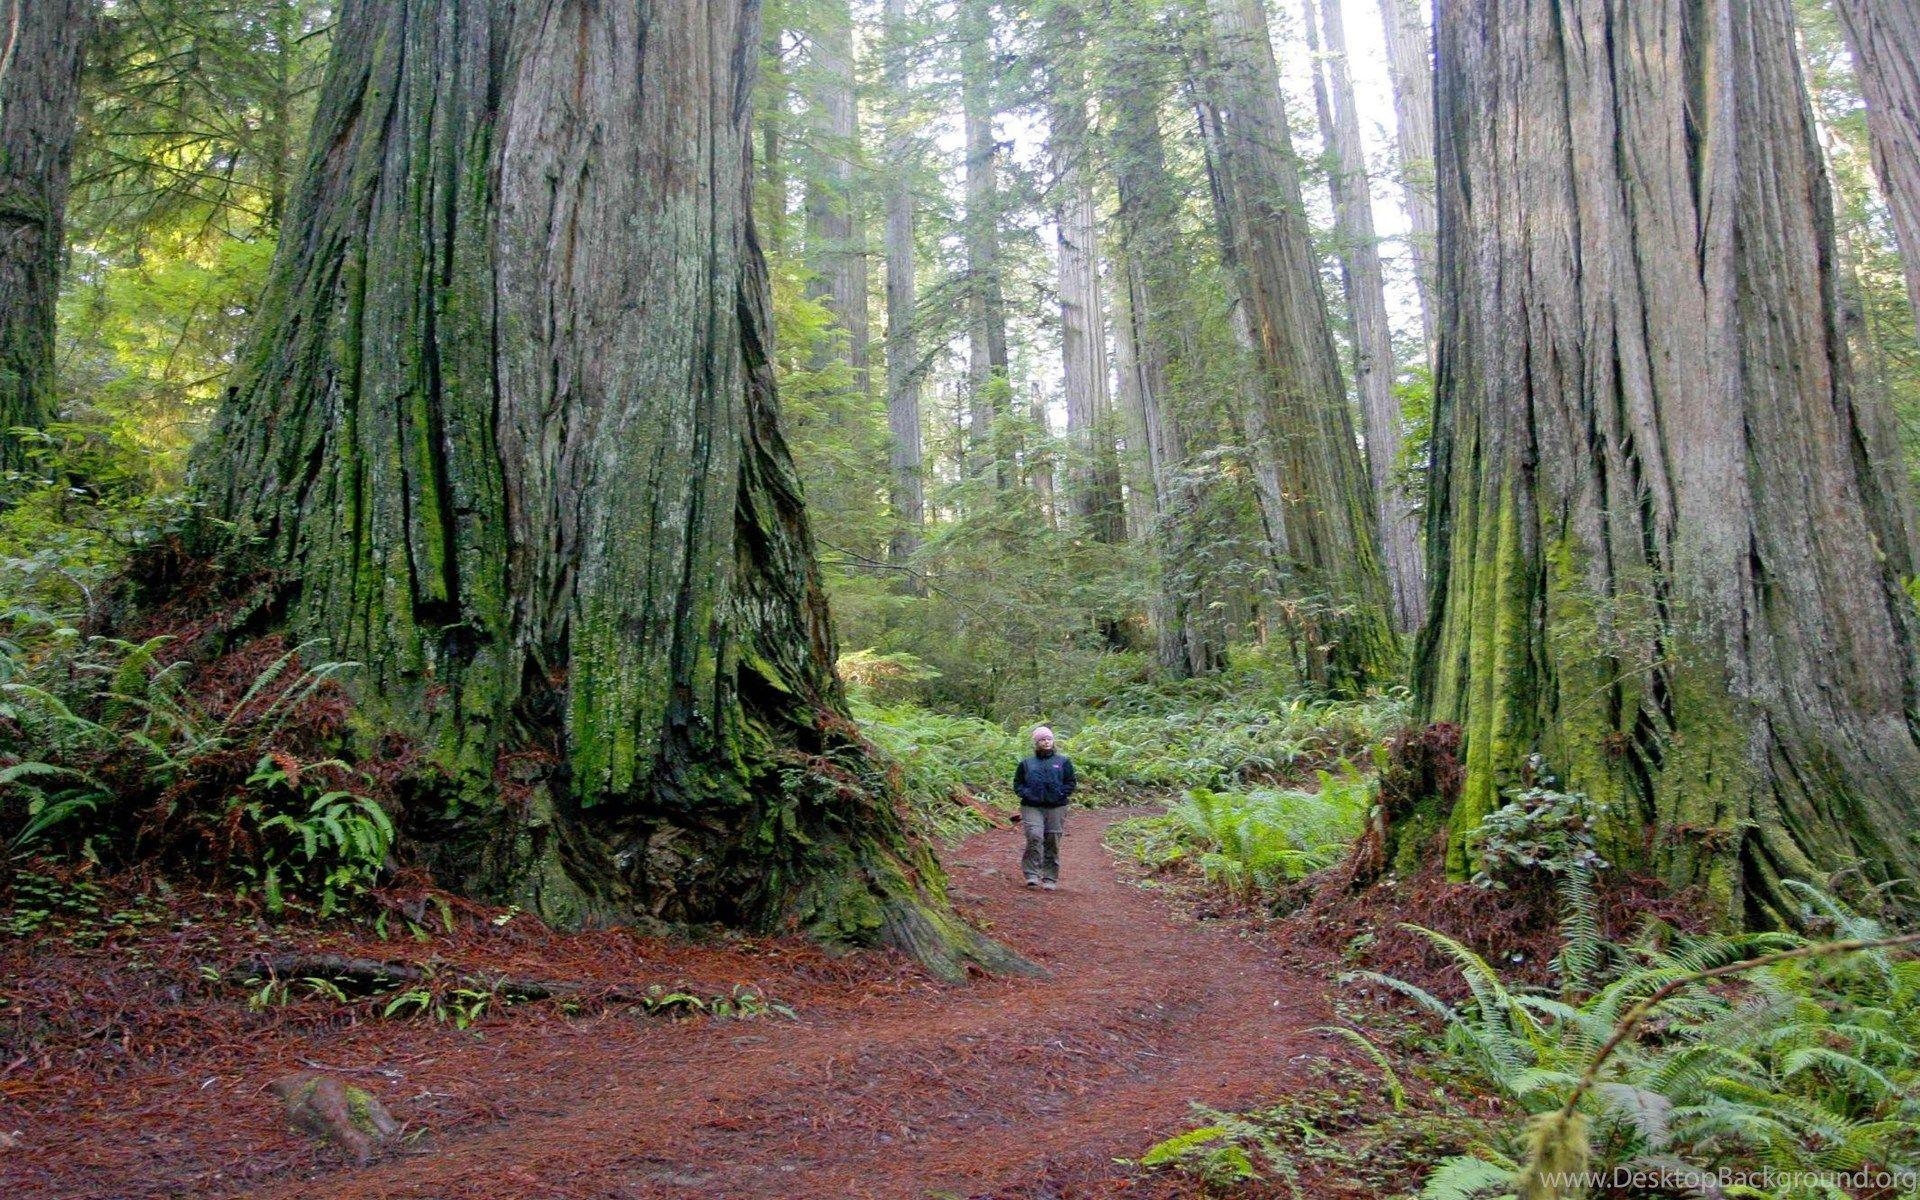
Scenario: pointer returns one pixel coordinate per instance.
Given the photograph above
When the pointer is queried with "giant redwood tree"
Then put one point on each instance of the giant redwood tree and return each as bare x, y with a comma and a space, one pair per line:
1661, 557
40, 52
507, 437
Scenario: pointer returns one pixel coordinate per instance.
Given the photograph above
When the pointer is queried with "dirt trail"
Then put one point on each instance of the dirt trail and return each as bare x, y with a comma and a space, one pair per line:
1002, 1088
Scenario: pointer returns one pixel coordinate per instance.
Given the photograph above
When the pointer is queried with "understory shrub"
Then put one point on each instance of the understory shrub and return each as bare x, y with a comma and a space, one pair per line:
1541, 835
1249, 843
945, 762
123, 753
83, 500
1231, 744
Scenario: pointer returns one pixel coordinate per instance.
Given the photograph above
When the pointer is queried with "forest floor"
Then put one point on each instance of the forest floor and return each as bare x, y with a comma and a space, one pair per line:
148, 1075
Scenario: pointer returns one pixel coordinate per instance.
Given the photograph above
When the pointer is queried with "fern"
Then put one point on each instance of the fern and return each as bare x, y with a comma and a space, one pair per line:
1582, 949
1810, 1064
1464, 1177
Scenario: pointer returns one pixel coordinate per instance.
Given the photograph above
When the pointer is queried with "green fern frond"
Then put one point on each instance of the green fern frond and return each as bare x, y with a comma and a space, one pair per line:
1465, 1177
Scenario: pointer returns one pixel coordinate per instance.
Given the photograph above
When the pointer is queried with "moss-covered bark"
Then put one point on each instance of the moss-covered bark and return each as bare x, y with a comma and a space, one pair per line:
41, 43
507, 437
1661, 554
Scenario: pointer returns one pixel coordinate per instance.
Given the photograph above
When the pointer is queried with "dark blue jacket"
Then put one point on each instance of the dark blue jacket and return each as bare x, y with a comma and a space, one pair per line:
1044, 782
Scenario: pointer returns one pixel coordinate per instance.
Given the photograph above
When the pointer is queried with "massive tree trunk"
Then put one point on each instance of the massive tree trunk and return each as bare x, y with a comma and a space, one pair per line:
908, 492
989, 387
1373, 374
1410, 67
1154, 305
508, 438
1662, 559
1332, 548
41, 42
836, 233
1093, 471
1884, 36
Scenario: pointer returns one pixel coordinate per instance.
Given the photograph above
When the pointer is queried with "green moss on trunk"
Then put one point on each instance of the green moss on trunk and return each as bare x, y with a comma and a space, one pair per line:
1660, 559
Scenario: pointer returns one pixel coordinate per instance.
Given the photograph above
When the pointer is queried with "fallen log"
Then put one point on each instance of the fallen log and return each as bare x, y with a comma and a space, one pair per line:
366, 976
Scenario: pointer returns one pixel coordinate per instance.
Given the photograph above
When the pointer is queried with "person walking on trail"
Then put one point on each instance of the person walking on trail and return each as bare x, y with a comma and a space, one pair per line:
1044, 782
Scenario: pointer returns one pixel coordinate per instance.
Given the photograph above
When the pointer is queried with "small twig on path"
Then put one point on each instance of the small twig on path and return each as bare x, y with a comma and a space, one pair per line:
383, 1072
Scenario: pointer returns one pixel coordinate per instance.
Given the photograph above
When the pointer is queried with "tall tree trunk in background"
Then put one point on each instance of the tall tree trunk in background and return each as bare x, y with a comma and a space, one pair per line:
836, 232
1136, 466
1872, 391
1331, 539
41, 43
1039, 460
1373, 373
1661, 559
508, 437
908, 492
1154, 305
771, 191
1410, 67
1093, 469
1884, 36
989, 387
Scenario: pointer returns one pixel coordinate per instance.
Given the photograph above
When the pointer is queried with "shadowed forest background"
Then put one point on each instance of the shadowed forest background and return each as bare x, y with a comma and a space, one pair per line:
649, 469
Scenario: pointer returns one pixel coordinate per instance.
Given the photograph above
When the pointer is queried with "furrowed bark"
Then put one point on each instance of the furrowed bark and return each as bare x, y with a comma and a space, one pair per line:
1332, 547
1661, 555
41, 45
1373, 369
771, 210
507, 436
1884, 36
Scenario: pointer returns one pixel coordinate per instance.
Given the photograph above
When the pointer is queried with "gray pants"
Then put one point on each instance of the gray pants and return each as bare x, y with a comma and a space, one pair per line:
1043, 828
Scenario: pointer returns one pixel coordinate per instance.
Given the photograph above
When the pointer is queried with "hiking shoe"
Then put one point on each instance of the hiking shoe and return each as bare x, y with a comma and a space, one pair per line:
1048, 885
1033, 881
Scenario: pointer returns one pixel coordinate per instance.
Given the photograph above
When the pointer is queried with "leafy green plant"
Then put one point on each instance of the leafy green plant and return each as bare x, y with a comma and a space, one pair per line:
38, 900
338, 843
1212, 1152
83, 499
1540, 832
745, 1003
1332, 1126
